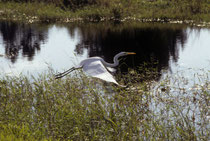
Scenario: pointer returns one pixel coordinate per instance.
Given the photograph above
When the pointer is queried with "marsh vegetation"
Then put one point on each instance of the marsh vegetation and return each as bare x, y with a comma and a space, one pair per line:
80, 108
103, 10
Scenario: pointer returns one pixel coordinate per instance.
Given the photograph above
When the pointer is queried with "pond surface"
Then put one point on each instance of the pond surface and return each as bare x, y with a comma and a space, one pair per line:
33, 49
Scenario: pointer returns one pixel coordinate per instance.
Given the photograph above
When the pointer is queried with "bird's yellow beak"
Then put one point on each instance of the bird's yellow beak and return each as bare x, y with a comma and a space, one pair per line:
131, 53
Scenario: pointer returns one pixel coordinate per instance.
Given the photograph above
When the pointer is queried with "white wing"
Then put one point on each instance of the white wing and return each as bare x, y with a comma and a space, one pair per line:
95, 68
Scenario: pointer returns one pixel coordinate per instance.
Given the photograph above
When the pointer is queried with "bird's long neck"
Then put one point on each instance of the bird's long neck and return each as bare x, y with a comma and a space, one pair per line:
116, 62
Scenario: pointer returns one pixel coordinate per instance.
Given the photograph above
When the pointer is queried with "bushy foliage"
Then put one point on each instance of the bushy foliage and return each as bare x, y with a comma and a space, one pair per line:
72, 4
100, 10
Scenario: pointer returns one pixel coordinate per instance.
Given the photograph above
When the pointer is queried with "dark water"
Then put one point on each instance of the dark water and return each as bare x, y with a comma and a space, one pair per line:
33, 49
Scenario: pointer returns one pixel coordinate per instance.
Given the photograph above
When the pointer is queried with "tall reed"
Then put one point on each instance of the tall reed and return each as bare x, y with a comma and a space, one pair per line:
80, 108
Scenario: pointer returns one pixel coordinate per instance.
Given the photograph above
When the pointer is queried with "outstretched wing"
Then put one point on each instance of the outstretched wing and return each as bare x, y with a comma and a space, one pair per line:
95, 68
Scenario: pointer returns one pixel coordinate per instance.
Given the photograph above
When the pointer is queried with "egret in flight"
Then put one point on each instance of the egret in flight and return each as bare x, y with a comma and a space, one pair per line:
97, 67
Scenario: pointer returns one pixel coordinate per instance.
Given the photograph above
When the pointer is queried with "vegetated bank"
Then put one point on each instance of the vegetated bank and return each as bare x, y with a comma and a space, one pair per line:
190, 11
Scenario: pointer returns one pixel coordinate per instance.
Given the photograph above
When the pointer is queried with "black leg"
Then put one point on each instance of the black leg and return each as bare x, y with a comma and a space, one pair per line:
60, 75
64, 73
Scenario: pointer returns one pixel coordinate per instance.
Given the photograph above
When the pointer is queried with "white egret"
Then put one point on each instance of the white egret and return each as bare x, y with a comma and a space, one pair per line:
97, 67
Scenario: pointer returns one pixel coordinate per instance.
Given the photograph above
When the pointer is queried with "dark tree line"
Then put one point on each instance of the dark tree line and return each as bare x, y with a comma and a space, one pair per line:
149, 43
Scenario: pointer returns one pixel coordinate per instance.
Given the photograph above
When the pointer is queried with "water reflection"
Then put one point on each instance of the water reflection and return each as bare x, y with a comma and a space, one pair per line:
23, 39
148, 42
34, 48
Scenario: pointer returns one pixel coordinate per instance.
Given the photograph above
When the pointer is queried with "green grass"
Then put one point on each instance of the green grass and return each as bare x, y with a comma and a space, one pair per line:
32, 12
79, 108
165, 10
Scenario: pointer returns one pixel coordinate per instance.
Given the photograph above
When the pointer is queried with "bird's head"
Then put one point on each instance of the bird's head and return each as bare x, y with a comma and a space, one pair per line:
126, 53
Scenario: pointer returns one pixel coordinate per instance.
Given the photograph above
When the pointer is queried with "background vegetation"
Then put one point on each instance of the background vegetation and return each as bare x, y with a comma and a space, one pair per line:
99, 10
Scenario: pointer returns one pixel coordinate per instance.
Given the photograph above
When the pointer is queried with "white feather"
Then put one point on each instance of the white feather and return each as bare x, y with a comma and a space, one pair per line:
94, 68
98, 68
